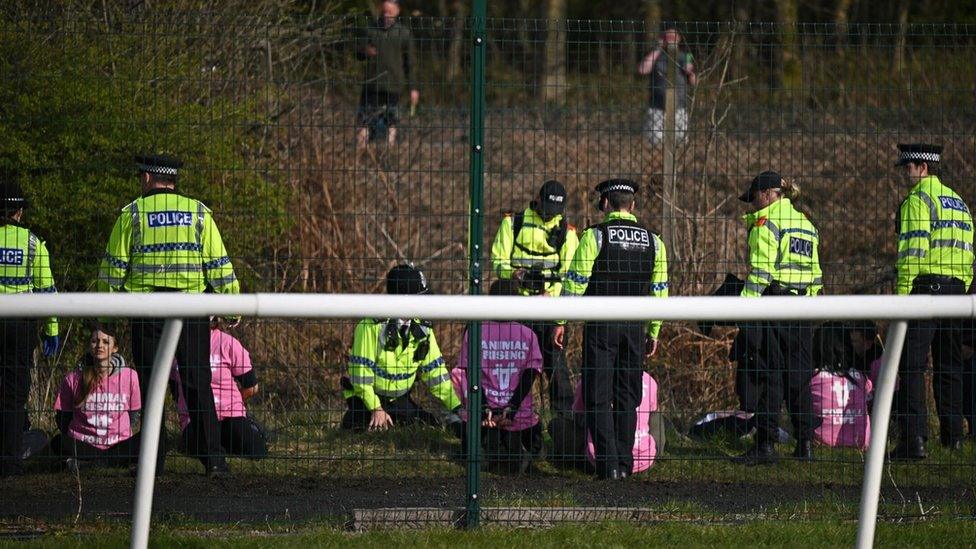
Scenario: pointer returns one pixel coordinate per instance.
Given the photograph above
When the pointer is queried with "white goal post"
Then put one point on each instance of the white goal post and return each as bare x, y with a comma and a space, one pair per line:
175, 307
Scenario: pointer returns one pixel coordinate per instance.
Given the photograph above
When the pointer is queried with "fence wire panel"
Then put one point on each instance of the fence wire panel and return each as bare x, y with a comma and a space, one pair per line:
332, 148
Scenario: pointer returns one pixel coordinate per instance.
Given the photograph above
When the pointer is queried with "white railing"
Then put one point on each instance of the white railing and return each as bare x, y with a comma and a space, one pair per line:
175, 307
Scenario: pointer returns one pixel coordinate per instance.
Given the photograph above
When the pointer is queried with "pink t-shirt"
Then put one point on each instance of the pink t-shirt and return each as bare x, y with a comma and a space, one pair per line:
103, 419
228, 359
842, 404
507, 350
645, 449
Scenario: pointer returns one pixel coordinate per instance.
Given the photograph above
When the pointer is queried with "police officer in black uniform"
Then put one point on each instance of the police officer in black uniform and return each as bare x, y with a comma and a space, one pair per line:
617, 257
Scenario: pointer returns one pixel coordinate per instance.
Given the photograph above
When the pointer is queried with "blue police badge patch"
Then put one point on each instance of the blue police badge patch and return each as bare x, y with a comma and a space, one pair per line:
11, 256
953, 203
170, 219
801, 246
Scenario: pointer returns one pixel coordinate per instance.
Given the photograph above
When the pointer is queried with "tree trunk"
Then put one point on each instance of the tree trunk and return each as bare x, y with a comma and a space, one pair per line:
652, 21
898, 56
841, 17
457, 40
789, 65
554, 82
741, 46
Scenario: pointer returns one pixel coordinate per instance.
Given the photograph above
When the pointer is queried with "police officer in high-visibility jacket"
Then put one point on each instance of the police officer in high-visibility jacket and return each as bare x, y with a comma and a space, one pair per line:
25, 266
784, 260
935, 257
388, 355
616, 257
167, 242
534, 247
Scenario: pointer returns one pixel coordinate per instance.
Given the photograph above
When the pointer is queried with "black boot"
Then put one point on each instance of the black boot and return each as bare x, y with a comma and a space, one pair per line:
612, 474
762, 453
804, 450
909, 449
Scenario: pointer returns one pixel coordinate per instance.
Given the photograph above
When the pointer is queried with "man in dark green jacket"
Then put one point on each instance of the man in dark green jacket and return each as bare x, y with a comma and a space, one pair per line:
391, 65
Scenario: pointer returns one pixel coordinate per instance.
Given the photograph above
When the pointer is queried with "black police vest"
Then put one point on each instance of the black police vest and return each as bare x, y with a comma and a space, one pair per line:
626, 260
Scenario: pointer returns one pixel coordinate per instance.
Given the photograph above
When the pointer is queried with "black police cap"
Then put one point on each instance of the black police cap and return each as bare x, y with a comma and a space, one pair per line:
552, 198
918, 152
617, 185
158, 164
405, 279
11, 194
763, 181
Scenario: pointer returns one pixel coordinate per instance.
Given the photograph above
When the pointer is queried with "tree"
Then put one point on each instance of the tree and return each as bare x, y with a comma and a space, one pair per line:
554, 80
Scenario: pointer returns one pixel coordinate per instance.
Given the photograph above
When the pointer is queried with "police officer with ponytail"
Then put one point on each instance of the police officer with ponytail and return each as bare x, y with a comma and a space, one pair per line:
616, 257
167, 242
388, 355
25, 266
784, 260
534, 248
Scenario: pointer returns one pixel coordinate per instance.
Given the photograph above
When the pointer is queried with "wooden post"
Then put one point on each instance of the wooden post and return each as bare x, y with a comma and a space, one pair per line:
670, 143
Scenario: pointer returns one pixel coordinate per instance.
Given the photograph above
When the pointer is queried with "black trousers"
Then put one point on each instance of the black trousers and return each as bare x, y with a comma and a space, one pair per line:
784, 366
17, 341
613, 360
403, 410
944, 339
561, 394
506, 447
239, 437
969, 395
123, 454
193, 357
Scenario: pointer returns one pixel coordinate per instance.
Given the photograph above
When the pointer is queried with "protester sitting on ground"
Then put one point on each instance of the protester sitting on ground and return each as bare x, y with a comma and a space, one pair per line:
234, 382
511, 360
840, 392
648, 437
97, 407
865, 348
388, 355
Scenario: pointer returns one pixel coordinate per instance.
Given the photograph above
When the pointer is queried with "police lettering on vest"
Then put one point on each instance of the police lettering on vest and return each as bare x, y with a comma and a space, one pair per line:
170, 219
800, 246
627, 237
11, 256
953, 203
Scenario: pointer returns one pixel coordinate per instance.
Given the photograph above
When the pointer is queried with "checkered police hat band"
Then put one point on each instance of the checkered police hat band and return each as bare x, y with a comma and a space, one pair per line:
624, 188
920, 156
161, 170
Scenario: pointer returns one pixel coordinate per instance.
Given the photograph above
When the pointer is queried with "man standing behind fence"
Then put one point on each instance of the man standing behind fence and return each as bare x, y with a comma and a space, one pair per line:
166, 242
935, 257
617, 257
534, 248
656, 64
391, 65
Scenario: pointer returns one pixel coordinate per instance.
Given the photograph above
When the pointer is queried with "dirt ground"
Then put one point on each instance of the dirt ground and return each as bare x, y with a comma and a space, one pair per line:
55, 497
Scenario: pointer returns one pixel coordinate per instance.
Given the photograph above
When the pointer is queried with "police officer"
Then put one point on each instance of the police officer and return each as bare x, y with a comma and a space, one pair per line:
534, 247
935, 257
617, 257
167, 242
25, 266
387, 356
784, 260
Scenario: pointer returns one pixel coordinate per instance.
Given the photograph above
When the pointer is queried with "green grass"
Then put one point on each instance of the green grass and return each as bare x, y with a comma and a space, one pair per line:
959, 533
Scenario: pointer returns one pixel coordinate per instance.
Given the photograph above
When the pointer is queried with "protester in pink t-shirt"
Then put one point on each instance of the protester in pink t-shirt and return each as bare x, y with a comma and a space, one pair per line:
644, 444
841, 402
97, 406
510, 362
234, 382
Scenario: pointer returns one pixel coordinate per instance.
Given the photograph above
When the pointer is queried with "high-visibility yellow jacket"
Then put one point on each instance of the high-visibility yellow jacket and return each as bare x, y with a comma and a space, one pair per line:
25, 266
935, 235
381, 365
531, 248
166, 240
784, 247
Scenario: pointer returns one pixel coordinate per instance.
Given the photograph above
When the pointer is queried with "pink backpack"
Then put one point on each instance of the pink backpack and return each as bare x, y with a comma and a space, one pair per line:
644, 447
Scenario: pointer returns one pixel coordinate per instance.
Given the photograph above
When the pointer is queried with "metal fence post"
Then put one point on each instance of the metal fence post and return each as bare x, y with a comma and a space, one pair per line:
476, 237
151, 426
873, 467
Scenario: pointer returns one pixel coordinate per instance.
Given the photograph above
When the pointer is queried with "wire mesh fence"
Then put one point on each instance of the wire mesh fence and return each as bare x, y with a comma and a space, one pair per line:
333, 148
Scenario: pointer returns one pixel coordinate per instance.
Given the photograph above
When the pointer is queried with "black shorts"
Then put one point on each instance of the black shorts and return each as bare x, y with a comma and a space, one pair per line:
375, 104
